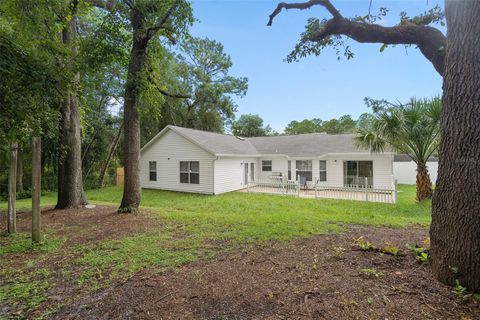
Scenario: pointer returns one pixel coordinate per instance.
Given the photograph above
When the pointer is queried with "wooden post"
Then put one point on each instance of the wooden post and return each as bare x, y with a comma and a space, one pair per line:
395, 191
299, 185
36, 188
12, 189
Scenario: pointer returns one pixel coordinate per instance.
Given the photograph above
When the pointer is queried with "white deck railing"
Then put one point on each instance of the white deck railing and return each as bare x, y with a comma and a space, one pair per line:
348, 192
354, 192
275, 186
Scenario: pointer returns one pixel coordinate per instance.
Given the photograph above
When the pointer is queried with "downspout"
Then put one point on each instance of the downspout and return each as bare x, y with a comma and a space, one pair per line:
214, 172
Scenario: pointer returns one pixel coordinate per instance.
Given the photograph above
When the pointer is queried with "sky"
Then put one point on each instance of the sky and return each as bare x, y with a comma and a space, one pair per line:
316, 87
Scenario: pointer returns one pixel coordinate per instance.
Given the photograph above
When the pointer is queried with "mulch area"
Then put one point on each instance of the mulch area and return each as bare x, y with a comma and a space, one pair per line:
322, 277
83, 225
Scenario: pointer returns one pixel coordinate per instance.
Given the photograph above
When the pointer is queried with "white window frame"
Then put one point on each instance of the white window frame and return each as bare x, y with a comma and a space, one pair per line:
307, 168
150, 171
265, 165
189, 172
320, 170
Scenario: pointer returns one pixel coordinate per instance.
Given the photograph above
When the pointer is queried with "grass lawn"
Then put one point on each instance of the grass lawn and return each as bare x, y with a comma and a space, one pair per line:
252, 217
184, 228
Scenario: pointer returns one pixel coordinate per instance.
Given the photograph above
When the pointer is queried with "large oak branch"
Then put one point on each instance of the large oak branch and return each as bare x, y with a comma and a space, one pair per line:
431, 41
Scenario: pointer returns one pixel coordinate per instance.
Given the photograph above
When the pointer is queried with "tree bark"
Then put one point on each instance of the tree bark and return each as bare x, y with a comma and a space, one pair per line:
132, 189
424, 184
36, 188
111, 151
455, 228
70, 184
12, 192
19, 171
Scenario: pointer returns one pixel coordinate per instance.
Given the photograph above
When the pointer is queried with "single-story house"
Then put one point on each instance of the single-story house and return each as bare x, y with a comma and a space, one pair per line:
189, 160
405, 170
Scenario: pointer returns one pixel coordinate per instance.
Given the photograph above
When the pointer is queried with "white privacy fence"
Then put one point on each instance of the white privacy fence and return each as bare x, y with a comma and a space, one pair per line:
348, 192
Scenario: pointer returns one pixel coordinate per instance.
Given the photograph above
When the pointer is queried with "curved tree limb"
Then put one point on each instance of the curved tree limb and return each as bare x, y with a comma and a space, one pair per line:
173, 95
431, 41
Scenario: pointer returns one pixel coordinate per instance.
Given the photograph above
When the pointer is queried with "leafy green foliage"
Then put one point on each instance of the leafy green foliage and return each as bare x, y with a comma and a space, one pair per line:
390, 249
412, 128
421, 254
26, 90
199, 73
363, 244
344, 124
250, 125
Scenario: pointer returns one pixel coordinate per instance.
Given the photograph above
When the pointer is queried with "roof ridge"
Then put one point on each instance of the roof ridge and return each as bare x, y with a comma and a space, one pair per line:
205, 131
247, 138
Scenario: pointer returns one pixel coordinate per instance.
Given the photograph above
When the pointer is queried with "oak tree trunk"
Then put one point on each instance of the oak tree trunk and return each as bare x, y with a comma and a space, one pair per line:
424, 184
132, 189
455, 228
12, 190
19, 171
70, 184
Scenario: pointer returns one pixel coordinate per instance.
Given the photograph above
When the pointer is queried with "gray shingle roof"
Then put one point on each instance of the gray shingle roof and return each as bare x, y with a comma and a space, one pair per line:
301, 145
218, 143
305, 145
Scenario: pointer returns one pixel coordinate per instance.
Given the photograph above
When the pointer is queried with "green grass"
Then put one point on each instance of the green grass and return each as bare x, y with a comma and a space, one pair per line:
22, 242
194, 223
245, 216
48, 199
191, 226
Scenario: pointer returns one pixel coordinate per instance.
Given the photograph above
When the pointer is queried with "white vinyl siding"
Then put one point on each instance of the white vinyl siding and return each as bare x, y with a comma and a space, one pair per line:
168, 151
382, 168
279, 165
229, 173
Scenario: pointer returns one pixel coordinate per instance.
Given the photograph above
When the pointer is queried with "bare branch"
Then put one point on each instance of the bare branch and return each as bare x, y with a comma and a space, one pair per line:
165, 92
431, 41
302, 6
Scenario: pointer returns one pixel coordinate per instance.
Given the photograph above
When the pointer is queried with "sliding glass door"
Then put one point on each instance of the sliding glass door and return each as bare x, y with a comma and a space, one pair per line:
358, 173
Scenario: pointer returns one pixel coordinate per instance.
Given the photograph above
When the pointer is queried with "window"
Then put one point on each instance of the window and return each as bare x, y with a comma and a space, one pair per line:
153, 170
289, 170
266, 165
323, 170
304, 169
358, 173
252, 172
190, 172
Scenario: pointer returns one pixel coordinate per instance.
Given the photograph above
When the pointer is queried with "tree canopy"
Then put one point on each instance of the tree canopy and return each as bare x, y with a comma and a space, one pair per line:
344, 124
251, 125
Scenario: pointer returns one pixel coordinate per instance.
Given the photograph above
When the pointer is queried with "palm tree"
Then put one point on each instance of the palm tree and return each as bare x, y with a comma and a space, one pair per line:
411, 128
